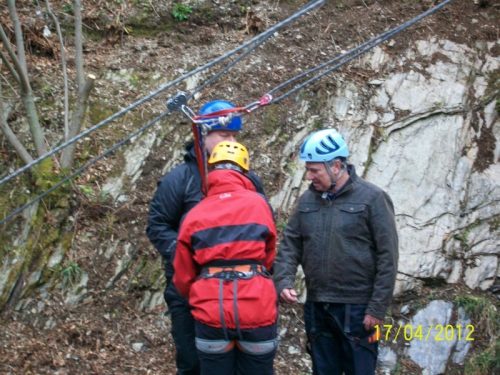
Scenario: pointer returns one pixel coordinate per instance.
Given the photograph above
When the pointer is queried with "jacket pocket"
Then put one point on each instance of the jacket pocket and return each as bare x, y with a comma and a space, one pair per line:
309, 219
351, 220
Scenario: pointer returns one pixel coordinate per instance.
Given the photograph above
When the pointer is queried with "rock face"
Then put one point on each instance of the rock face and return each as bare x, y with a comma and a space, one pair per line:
427, 134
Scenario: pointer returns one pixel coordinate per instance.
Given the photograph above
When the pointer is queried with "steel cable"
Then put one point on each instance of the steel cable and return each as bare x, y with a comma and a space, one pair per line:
83, 167
337, 61
349, 55
256, 40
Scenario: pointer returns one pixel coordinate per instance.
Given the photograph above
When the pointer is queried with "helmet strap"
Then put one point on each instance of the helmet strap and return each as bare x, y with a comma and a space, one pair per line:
333, 178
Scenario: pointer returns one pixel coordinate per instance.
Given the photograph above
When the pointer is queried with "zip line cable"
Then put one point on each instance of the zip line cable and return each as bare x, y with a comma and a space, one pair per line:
349, 55
251, 45
257, 40
82, 168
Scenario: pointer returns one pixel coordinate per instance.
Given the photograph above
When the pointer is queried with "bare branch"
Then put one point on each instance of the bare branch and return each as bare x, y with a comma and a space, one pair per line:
84, 87
26, 92
9, 134
18, 35
9, 84
21, 77
80, 74
64, 69
9, 67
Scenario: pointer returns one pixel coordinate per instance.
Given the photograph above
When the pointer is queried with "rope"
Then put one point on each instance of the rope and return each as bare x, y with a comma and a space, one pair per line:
109, 151
256, 40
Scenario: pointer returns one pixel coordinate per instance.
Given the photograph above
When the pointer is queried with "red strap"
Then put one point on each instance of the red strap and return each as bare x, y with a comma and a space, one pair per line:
222, 112
201, 156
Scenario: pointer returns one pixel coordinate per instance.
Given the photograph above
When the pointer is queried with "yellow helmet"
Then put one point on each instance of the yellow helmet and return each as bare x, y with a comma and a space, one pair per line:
232, 152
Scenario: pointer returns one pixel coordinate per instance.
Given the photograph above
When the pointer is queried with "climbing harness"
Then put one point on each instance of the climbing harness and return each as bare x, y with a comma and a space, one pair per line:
232, 273
225, 274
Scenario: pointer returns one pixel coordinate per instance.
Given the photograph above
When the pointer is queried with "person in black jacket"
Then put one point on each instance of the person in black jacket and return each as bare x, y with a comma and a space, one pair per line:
343, 233
177, 192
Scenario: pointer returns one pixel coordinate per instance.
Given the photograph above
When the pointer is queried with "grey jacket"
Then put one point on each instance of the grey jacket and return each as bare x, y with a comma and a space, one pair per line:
347, 246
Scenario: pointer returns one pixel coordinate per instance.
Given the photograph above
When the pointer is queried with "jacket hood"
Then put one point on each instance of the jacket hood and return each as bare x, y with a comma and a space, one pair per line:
226, 180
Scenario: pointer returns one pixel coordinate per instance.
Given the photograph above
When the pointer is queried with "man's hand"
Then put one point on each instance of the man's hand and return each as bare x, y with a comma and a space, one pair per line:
289, 295
370, 322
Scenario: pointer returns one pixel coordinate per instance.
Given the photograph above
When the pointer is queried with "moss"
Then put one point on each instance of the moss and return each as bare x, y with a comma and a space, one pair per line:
484, 362
98, 111
44, 235
377, 136
15, 270
493, 87
494, 224
272, 118
147, 273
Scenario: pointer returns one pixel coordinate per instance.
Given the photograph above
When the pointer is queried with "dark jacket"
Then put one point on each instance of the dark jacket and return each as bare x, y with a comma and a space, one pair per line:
232, 224
177, 193
347, 246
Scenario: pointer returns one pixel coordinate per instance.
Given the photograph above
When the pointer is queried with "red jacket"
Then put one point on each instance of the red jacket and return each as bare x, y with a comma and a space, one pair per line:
232, 222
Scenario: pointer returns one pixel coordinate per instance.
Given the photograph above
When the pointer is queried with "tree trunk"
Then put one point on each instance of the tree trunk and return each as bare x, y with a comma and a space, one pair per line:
84, 88
68, 153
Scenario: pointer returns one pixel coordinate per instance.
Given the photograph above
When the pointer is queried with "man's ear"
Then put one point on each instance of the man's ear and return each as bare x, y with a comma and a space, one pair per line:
336, 166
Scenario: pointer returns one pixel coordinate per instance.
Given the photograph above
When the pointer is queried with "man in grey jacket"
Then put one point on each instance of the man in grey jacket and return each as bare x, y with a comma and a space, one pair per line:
343, 234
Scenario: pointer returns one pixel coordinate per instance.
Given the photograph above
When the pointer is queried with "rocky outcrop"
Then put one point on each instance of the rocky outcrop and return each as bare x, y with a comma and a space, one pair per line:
428, 133
426, 130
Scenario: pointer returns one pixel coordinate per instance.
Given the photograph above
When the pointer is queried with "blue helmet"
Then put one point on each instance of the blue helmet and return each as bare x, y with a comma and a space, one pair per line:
323, 145
235, 124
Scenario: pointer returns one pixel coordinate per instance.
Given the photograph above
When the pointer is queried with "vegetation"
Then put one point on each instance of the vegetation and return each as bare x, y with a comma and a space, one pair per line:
181, 12
13, 56
486, 318
71, 274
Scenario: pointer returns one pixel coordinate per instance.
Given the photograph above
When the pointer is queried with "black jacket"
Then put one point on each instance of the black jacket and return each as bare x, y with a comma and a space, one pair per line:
348, 246
177, 192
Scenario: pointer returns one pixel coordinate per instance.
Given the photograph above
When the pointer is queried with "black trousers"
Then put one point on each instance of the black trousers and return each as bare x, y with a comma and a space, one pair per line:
235, 358
335, 332
183, 333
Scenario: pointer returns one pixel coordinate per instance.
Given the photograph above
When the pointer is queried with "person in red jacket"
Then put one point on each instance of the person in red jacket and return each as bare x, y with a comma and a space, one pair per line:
225, 247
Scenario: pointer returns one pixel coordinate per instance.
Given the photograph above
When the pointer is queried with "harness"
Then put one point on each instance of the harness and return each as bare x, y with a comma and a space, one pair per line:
232, 271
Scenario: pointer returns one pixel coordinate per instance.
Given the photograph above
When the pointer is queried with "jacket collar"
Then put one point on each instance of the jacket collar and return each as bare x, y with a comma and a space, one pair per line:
225, 181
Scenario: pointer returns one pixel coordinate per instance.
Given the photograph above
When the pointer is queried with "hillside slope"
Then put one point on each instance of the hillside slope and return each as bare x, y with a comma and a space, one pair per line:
117, 323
